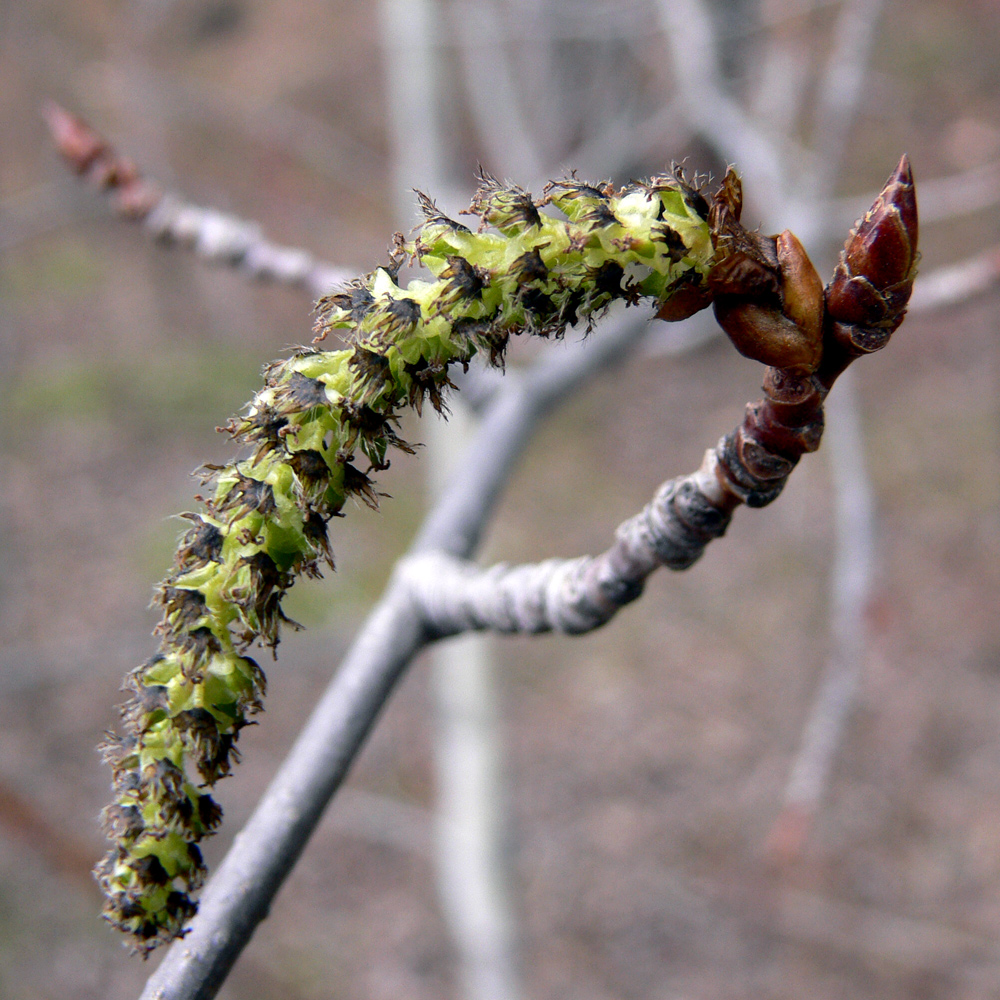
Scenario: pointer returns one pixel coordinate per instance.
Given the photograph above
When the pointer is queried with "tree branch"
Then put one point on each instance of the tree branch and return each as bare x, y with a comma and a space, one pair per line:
213, 235
687, 28
840, 89
957, 283
749, 466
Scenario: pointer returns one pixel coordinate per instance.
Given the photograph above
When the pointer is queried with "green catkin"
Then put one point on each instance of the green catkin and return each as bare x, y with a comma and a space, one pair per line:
319, 417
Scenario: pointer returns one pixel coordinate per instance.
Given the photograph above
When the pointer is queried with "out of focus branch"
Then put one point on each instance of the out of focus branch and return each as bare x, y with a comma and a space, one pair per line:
472, 876
687, 28
941, 198
493, 99
212, 235
957, 283
837, 102
850, 588
780, 88
841, 88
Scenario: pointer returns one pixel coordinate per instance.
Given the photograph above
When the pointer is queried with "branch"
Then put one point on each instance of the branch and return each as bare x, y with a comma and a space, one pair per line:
941, 198
837, 106
957, 283
687, 28
841, 88
781, 87
489, 83
212, 235
850, 591
750, 466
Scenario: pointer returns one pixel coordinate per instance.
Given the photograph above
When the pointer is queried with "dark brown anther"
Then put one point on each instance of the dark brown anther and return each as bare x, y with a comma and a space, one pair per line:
400, 315
165, 778
247, 495
356, 483
304, 392
509, 208
676, 248
434, 216
463, 281
310, 467
149, 870
122, 822
200, 544
529, 267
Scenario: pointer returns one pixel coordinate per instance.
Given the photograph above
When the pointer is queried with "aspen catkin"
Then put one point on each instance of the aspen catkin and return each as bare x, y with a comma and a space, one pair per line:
323, 422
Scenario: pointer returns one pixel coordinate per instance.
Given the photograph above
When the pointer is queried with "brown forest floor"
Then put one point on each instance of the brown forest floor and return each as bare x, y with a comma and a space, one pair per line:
645, 763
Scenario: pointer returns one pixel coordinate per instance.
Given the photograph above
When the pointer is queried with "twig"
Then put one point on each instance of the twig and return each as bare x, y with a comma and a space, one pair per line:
850, 588
941, 198
851, 578
493, 98
22, 818
957, 283
749, 466
214, 236
841, 88
687, 28
34, 212
470, 870
780, 90
837, 104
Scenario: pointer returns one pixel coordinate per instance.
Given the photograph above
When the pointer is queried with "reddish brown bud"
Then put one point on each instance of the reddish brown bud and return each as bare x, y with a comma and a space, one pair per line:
764, 334
76, 141
874, 278
684, 303
727, 201
88, 154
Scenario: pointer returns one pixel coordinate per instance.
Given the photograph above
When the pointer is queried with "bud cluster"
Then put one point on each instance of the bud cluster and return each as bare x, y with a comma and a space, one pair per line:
322, 424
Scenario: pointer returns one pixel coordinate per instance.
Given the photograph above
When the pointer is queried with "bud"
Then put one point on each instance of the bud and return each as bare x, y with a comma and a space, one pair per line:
874, 279
768, 296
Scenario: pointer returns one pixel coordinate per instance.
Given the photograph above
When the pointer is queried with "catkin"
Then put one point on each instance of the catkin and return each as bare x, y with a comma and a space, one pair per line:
312, 437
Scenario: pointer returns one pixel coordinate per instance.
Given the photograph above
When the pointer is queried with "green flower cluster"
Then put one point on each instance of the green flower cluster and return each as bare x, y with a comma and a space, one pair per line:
319, 415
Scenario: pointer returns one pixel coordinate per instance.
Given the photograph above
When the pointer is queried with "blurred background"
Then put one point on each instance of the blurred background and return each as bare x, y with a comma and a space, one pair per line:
673, 826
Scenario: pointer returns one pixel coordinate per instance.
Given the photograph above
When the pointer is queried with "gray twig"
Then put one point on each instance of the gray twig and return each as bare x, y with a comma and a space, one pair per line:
214, 236
956, 283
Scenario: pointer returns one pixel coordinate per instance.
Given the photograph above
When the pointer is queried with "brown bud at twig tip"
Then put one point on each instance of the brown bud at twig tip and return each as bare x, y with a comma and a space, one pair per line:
867, 298
89, 155
79, 145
